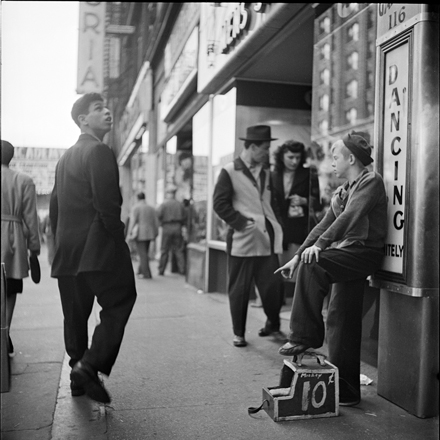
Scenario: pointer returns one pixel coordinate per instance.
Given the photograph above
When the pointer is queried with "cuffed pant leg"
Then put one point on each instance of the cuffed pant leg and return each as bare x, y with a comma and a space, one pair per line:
77, 302
344, 333
142, 248
116, 294
240, 281
306, 320
270, 288
164, 250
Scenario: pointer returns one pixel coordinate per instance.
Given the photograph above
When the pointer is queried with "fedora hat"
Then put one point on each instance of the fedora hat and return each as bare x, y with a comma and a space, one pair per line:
258, 133
359, 147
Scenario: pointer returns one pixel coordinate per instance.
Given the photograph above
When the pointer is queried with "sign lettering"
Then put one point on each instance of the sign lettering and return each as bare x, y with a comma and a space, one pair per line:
395, 151
91, 47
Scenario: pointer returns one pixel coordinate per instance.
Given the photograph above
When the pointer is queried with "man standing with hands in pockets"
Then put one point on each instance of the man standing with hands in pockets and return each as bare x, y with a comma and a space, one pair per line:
343, 249
243, 199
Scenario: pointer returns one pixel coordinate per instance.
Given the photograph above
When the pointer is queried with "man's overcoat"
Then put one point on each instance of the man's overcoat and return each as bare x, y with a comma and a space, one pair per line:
85, 210
20, 230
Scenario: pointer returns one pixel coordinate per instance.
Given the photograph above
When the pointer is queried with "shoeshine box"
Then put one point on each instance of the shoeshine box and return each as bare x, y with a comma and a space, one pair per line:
306, 391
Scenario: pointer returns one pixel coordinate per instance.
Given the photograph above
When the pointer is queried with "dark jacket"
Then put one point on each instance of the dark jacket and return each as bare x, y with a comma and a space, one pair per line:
85, 210
305, 184
357, 216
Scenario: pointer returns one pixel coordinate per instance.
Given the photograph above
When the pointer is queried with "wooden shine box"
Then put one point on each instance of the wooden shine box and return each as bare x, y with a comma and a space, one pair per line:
306, 391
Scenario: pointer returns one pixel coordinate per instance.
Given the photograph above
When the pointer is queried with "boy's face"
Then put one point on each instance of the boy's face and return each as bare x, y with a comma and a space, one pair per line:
98, 119
340, 163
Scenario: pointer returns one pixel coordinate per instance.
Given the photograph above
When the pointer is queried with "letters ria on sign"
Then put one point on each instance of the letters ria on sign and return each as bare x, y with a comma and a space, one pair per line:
91, 47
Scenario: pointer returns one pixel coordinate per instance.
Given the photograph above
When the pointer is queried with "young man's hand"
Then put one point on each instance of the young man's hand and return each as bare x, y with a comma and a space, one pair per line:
308, 253
288, 269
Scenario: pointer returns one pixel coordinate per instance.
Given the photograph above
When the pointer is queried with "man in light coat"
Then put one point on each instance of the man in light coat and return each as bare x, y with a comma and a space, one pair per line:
243, 199
144, 227
20, 229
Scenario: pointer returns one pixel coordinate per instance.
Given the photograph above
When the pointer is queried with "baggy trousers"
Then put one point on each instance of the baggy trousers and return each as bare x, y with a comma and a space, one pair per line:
143, 249
172, 240
346, 269
242, 271
116, 294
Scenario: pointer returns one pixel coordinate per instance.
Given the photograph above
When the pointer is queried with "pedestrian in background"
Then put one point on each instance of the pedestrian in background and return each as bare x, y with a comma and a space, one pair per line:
50, 240
171, 215
92, 259
343, 249
243, 199
296, 190
20, 230
144, 227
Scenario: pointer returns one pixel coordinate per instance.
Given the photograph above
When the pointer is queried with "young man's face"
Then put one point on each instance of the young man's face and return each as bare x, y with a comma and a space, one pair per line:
340, 163
260, 153
99, 119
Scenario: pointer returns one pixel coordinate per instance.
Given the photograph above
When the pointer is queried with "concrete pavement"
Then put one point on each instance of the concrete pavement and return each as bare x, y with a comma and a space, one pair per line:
177, 376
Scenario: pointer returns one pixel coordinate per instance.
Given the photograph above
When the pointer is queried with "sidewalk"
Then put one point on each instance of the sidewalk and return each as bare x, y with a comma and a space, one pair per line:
177, 376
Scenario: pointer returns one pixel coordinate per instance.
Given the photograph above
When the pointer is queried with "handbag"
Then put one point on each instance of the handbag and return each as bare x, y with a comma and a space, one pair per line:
34, 264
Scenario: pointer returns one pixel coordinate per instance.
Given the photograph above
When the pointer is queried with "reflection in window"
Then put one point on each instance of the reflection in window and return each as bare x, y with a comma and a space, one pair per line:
223, 147
324, 25
323, 126
325, 51
324, 101
352, 89
324, 76
353, 32
353, 60
351, 116
198, 206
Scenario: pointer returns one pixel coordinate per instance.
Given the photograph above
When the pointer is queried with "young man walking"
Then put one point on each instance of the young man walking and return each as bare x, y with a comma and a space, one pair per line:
92, 259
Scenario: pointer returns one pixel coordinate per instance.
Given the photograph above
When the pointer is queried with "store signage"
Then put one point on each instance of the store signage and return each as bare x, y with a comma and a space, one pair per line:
91, 47
234, 26
38, 163
395, 142
391, 15
181, 74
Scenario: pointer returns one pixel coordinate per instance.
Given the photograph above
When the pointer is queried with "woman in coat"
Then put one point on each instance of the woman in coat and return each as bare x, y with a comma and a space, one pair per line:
20, 229
296, 190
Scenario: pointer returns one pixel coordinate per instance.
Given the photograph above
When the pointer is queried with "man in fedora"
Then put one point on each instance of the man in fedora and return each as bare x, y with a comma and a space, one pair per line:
243, 199
342, 250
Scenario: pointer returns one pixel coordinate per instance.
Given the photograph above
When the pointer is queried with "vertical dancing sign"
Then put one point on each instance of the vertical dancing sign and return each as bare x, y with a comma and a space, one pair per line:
91, 47
395, 145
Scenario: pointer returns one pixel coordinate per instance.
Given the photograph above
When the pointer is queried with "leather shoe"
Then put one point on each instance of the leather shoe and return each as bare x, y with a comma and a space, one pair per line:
239, 341
349, 401
292, 349
265, 332
84, 376
76, 390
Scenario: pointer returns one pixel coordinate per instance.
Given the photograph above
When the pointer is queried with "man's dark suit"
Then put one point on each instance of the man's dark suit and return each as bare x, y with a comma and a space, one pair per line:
91, 258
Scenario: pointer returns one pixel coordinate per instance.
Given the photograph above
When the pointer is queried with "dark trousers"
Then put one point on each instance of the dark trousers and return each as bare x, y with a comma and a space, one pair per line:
242, 271
172, 241
116, 294
347, 270
143, 248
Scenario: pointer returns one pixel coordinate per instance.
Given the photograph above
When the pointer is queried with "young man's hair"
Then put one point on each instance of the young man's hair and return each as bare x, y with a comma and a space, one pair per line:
7, 150
81, 106
141, 196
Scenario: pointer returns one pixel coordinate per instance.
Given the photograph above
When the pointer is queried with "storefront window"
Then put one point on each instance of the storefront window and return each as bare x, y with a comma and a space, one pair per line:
223, 147
201, 143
